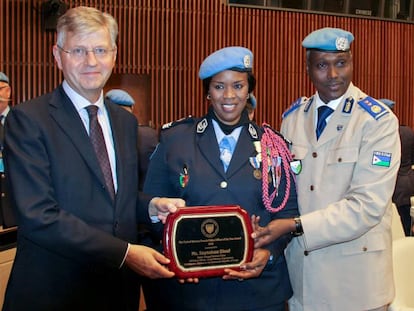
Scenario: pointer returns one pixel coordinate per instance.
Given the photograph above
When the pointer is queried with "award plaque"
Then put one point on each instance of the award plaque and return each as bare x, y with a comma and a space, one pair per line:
202, 241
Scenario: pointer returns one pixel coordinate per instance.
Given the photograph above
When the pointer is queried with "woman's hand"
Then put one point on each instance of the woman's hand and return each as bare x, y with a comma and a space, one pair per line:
251, 269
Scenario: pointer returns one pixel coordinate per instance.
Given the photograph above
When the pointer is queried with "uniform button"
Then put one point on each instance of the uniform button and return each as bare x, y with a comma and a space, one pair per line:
223, 185
311, 188
365, 248
3, 194
116, 224
340, 160
314, 154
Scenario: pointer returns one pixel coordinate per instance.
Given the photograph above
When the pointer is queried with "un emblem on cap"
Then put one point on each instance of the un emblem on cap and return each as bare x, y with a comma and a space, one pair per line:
246, 61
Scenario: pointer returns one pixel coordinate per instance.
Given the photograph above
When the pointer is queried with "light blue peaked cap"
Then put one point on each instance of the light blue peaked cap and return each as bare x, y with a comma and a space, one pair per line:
253, 100
120, 97
4, 78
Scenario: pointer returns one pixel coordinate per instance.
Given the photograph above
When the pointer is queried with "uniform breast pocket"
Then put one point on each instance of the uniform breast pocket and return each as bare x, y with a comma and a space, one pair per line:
373, 243
299, 152
343, 155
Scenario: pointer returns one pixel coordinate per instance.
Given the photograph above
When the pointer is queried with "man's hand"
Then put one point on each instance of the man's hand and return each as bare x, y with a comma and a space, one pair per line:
147, 262
274, 229
161, 207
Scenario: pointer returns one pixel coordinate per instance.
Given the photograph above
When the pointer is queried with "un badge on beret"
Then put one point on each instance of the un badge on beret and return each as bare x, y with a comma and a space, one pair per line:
342, 44
246, 61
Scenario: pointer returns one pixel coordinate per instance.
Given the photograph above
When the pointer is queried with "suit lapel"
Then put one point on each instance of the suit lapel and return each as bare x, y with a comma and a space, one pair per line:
207, 143
244, 150
118, 133
64, 113
310, 129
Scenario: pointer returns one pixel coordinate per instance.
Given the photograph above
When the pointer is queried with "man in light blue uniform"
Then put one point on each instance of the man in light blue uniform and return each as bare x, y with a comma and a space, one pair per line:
346, 165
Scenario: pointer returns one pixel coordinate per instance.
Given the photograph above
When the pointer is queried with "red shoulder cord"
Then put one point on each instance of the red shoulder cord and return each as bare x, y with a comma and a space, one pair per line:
274, 146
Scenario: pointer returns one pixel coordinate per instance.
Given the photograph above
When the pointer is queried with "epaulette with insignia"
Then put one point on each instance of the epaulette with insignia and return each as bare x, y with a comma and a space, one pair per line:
168, 125
373, 107
294, 106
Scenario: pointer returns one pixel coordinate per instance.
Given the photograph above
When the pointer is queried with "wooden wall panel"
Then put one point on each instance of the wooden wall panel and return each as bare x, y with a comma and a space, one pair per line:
168, 39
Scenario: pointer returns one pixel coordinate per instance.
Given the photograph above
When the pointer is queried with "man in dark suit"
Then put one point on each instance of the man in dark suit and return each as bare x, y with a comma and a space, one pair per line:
76, 228
404, 187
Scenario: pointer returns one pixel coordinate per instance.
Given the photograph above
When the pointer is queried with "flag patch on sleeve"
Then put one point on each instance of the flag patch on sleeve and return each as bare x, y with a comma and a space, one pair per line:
380, 158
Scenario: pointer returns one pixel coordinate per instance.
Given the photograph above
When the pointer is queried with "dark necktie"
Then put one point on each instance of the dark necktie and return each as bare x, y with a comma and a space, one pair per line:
98, 142
323, 113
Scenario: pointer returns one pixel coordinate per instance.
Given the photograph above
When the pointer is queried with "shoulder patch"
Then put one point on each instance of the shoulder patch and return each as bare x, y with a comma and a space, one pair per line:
373, 107
295, 105
168, 125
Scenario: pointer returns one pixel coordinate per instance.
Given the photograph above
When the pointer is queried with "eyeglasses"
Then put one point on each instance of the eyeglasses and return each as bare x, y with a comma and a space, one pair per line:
81, 52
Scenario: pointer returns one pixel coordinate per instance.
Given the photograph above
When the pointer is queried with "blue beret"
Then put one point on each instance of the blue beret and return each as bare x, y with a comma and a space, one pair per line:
390, 103
4, 78
329, 39
233, 57
120, 97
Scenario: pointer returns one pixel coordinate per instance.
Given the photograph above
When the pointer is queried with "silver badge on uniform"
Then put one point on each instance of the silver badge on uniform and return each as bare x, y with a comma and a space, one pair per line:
253, 132
202, 125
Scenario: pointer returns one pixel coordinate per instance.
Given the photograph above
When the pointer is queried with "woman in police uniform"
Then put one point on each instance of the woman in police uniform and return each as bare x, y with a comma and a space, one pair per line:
191, 163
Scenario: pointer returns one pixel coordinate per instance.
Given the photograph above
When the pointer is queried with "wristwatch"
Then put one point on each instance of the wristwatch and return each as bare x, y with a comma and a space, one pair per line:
298, 227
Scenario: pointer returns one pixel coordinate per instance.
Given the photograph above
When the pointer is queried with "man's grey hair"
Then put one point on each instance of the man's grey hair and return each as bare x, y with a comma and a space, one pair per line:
85, 20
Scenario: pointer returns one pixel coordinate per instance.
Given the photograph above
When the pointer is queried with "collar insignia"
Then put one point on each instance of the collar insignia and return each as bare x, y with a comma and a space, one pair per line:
349, 103
202, 125
253, 132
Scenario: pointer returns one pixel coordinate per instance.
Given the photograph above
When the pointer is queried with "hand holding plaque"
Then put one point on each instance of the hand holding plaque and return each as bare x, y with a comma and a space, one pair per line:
202, 241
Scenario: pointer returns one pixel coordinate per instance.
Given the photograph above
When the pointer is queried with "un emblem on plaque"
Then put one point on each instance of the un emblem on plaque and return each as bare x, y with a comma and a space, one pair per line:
202, 241
209, 228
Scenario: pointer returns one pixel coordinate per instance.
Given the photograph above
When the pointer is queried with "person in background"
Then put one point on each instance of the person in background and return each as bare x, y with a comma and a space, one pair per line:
251, 106
72, 162
346, 174
404, 188
193, 163
147, 136
7, 217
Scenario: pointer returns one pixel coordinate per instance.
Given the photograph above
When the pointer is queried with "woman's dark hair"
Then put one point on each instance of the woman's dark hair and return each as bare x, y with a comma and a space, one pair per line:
250, 79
